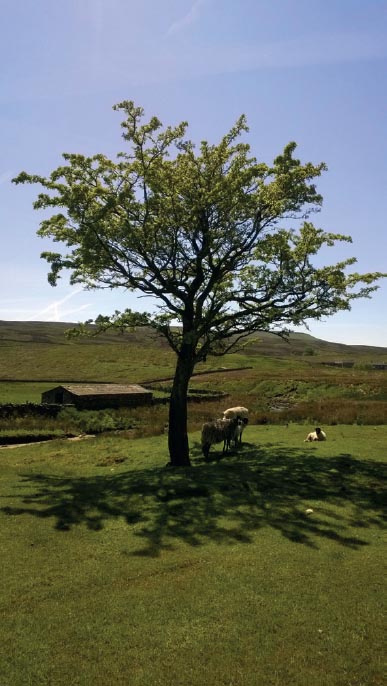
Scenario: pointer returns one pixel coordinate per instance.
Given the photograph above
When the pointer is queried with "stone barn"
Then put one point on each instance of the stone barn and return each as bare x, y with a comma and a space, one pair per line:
98, 396
348, 364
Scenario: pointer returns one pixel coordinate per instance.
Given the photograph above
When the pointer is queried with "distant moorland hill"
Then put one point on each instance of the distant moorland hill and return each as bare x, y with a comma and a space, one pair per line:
303, 377
41, 351
261, 343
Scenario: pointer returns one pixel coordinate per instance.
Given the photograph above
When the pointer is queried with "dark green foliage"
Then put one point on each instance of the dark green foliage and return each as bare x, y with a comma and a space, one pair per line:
93, 421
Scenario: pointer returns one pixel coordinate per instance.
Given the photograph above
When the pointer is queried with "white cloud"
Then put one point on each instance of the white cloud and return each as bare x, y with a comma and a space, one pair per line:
134, 64
169, 62
318, 49
189, 18
20, 309
54, 314
48, 314
53, 311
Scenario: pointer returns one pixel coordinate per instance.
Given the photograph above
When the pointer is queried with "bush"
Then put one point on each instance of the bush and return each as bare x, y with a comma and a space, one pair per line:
92, 421
309, 351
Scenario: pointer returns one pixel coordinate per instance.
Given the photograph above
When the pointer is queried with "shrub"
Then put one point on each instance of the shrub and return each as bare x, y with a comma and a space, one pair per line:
91, 421
309, 351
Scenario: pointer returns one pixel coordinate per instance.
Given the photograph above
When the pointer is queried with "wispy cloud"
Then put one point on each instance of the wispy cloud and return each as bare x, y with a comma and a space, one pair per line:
53, 311
49, 314
314, 50
171, 63
137, 65
189, 18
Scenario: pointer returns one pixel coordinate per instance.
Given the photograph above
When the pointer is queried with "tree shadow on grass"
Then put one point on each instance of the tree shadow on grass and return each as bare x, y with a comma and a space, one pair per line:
227, 502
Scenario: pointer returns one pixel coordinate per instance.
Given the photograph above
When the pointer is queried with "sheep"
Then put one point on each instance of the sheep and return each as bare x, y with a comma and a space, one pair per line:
316, 435
219, 430
237, 437
241, 413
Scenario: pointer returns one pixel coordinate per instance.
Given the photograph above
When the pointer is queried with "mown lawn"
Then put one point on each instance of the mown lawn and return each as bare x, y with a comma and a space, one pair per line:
117, 570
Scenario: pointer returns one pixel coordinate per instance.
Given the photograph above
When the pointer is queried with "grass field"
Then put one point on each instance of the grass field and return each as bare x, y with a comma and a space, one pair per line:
117, 570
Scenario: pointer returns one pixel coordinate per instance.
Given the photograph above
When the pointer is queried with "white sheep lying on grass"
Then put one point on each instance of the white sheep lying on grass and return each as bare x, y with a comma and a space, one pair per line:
225, 430
316, 435
240, 413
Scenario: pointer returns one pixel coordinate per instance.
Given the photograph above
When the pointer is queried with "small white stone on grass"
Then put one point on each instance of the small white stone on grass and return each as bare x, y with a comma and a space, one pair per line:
309, 511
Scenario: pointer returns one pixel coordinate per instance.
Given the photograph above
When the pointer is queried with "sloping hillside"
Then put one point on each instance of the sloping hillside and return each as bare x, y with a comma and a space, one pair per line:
261, 343
304, 344
39, 351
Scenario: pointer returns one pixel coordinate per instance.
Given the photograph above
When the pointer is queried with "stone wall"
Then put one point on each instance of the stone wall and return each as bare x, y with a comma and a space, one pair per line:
30, 409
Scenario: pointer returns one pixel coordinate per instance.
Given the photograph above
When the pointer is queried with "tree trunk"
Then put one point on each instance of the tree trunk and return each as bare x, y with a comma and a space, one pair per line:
178, 435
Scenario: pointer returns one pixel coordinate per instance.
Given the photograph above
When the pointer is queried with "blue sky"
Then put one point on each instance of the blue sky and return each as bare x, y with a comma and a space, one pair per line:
313, 71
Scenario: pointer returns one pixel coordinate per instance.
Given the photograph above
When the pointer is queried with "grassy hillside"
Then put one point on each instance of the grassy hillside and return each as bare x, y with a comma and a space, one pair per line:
54, 332
40, 351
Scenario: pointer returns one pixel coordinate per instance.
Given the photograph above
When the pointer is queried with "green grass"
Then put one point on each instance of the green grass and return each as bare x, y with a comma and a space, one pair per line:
116, 570
22, 392
74, 361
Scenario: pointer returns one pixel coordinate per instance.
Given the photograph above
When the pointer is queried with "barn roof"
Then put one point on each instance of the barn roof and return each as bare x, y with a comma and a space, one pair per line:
104, 389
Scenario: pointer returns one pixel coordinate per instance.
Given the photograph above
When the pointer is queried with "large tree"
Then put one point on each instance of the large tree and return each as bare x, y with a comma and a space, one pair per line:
208, 234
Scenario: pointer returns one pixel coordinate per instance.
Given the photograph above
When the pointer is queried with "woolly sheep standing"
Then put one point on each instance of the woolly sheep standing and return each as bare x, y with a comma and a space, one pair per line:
316, 435
237, 437
217, 431
241, 413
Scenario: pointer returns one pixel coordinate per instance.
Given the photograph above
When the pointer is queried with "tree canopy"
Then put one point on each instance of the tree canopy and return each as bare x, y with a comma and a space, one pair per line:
221, 242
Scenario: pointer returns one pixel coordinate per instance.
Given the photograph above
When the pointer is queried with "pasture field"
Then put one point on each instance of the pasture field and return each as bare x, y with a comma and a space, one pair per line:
118, 570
